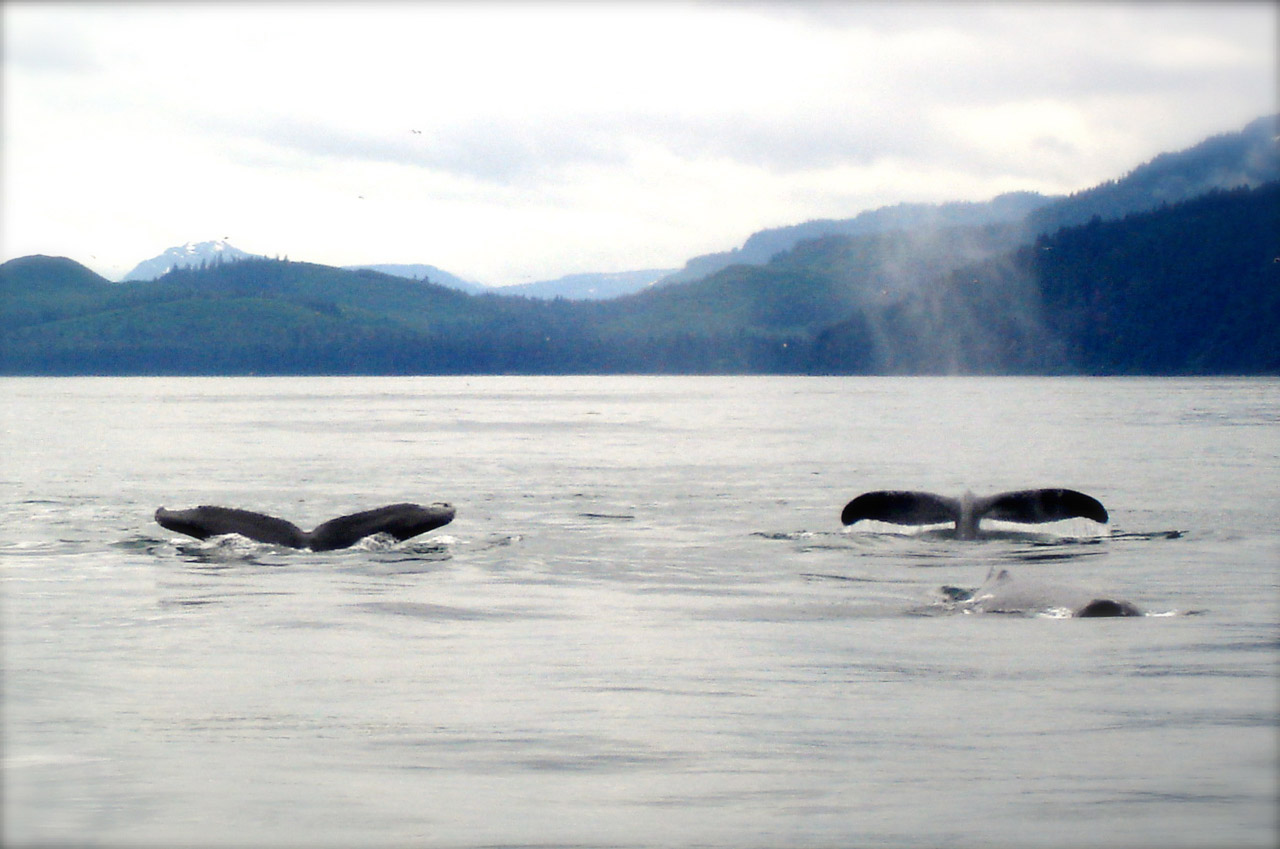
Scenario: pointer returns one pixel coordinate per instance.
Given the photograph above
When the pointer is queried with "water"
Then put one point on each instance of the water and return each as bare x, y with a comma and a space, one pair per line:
645, 627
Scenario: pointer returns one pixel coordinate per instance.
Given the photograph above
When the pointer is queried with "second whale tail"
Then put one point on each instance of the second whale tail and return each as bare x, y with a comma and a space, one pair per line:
402, 521
901, 507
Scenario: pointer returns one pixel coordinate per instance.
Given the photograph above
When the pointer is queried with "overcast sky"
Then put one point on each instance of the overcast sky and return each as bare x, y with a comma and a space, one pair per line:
522, 141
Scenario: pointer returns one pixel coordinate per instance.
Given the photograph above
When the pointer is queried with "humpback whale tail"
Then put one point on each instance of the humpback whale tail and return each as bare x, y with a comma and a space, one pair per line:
926, 508
401, 521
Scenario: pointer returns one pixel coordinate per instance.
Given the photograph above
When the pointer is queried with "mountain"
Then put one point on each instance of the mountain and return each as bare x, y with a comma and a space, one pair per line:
1183, 287
190, 255
424, 272
574, 287
1188, 288
762, 246
39, 275
1248, 157
271, 317
37, 289
588, 287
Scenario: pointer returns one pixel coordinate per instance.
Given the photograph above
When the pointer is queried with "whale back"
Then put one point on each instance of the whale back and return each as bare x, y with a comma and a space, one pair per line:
1102, 607
1002, 592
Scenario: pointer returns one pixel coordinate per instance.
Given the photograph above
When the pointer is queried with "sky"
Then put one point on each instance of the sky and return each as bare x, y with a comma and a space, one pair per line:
520, 141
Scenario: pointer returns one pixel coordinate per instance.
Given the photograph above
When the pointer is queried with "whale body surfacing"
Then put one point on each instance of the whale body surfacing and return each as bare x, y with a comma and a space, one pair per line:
401, 521
1003, 593
925, 508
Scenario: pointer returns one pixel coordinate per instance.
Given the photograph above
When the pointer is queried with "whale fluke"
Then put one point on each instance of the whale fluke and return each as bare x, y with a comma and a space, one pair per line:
1044, 505
401, 521
926, 508
901, 508
205, 521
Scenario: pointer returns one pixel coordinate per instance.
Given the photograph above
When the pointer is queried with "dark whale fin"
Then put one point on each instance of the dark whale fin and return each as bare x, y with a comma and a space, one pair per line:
401, 521
1042, 505
205, 521
901, 508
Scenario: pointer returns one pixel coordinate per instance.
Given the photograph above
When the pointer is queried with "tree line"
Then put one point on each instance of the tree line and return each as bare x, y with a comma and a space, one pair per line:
1189, 288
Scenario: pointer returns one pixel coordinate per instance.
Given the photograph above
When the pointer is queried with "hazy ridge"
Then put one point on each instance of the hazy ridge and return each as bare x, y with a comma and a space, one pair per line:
1170, 269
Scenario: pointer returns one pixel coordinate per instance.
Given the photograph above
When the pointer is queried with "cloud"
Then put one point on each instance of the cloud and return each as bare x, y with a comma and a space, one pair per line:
498, 149
48, 49
749, 90
566, 133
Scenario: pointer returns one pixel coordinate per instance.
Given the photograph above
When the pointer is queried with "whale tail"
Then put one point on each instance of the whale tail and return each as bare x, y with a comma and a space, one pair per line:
1034, 506
925, 508
901, 508
401, 521
207, 521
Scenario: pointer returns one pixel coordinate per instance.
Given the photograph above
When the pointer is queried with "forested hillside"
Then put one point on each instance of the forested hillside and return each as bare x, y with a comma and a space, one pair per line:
1193, 287
264, 316
1190, 290
1230, 160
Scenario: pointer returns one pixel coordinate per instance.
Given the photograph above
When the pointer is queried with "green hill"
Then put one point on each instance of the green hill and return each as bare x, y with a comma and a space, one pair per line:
262, 316
1192, 287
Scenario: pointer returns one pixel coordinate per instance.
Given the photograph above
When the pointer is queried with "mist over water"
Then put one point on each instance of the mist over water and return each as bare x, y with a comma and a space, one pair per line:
646, 625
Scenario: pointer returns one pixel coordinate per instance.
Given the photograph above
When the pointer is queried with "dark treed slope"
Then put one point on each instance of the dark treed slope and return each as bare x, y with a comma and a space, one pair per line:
1192, 287
38, 277
271, 317
36, 290
1250, 157
1189, 290
763, 318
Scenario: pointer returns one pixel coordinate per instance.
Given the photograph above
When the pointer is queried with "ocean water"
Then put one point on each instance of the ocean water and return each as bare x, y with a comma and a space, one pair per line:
646, 626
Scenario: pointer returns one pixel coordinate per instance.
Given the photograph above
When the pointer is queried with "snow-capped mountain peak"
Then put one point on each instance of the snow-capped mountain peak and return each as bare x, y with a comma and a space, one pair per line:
185, 256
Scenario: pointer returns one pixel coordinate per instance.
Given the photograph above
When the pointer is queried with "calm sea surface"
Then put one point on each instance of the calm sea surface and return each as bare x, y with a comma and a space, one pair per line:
646, 626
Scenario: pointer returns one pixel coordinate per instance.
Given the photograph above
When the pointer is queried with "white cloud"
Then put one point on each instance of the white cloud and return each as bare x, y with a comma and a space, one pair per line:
556, 138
